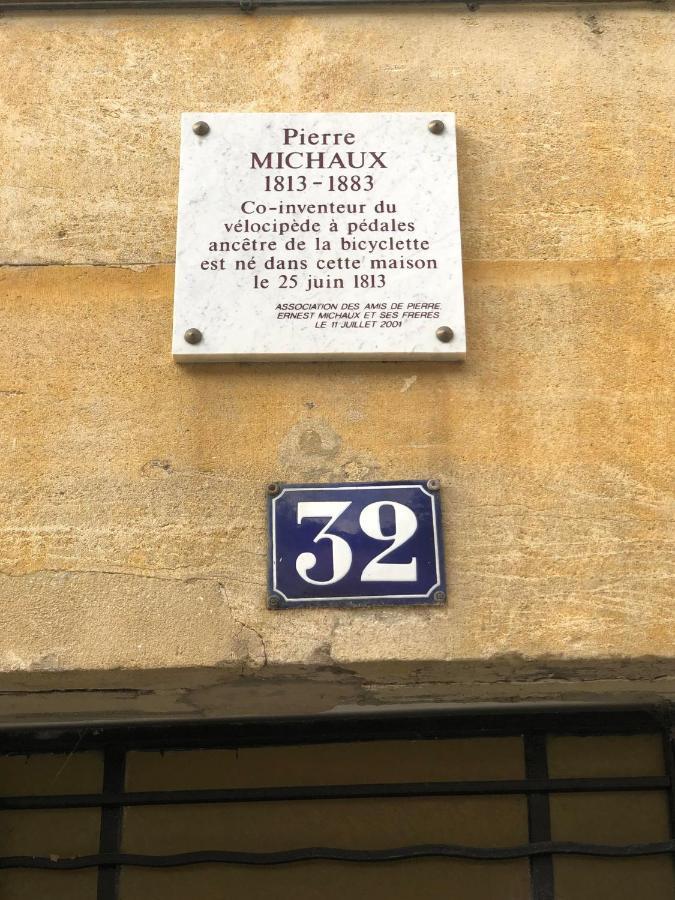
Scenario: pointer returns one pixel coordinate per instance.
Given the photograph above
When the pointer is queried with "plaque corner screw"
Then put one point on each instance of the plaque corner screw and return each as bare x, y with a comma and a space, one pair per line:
439, 596
436, 126
193, 336
273, 488
201, 128
274, 601
433, 484
445, 334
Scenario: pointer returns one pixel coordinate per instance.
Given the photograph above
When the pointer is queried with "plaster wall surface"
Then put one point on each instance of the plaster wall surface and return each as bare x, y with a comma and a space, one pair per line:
132, 533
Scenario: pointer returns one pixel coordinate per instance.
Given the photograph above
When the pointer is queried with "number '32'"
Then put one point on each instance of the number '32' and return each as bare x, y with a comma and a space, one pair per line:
405, 526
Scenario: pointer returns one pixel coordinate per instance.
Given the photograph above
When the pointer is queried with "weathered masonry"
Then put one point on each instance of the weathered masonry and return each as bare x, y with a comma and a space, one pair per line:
133, 527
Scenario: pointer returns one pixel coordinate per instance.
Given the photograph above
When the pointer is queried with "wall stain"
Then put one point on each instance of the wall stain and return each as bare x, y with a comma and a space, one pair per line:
313, 449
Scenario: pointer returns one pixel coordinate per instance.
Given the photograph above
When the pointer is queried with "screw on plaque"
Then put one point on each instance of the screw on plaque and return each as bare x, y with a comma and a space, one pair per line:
193, 336
439, 596
273, 488
433, 484
436, 126
445, 334
274, 601
201, 128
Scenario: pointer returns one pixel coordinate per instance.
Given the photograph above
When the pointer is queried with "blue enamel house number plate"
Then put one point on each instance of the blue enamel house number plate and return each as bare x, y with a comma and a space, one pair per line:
375, 544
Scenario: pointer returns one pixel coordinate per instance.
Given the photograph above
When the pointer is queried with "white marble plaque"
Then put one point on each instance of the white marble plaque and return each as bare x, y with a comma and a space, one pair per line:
313, 235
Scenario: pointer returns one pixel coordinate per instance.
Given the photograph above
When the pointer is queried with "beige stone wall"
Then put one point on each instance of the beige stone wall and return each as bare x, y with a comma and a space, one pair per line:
132, 534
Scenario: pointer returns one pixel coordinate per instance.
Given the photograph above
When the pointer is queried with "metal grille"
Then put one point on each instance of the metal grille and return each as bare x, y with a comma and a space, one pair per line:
115, 741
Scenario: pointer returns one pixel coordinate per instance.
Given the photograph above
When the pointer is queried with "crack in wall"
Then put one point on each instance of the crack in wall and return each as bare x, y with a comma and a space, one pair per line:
226, 599
121, 691
184, 579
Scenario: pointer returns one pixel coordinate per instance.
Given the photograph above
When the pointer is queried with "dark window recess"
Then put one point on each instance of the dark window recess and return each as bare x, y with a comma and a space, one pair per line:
535, 729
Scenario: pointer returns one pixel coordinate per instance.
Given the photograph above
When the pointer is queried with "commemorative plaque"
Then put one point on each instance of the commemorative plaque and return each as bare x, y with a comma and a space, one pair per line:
310, 236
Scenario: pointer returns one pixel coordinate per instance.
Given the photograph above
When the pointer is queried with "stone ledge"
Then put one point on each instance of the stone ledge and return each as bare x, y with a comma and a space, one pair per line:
311, 690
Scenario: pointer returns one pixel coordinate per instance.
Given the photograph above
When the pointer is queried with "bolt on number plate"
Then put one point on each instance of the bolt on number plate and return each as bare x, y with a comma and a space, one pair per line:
375, 544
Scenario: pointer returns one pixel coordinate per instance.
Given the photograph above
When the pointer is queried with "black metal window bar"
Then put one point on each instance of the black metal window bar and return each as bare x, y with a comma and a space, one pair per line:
115, 741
